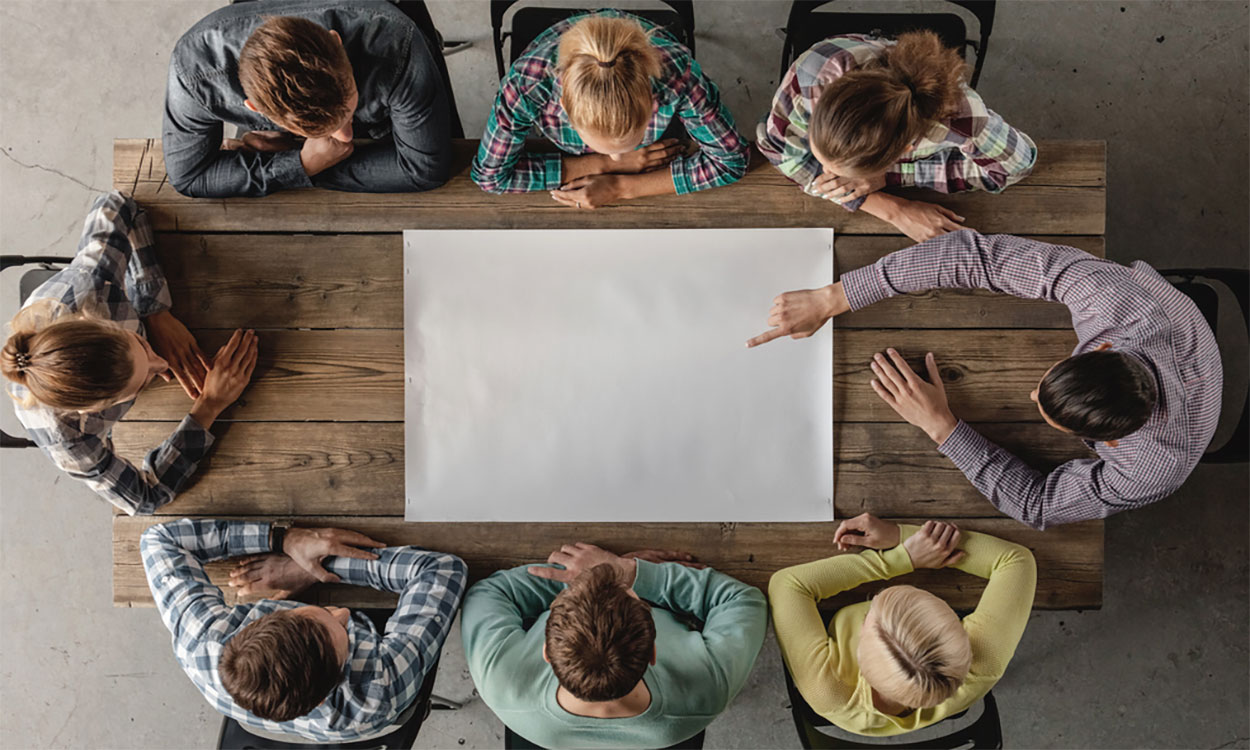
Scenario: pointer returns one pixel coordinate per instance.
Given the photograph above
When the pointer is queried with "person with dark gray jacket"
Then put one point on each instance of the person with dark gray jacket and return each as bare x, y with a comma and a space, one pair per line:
324, 71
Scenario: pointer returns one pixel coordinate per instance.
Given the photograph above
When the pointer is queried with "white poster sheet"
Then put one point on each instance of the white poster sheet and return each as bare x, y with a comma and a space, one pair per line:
602, 375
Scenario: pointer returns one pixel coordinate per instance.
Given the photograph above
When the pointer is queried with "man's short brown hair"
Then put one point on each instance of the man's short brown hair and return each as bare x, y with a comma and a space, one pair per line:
281, 666
297, 74
599, 638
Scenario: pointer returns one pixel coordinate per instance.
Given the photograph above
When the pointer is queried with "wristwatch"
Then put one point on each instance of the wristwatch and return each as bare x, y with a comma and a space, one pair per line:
277, 534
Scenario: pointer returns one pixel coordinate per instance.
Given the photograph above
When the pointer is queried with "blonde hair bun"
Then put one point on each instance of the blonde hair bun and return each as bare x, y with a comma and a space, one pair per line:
606, 65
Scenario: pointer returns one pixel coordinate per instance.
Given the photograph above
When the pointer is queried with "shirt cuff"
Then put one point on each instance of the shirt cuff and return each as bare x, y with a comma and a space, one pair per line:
553, 171
288, 170
864, 286
191, 439
680, 170
648, 581
897, 561
247, 538
965, 446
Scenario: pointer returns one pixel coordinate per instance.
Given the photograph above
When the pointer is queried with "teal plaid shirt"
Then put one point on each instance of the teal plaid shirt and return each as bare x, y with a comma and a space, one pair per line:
529, 101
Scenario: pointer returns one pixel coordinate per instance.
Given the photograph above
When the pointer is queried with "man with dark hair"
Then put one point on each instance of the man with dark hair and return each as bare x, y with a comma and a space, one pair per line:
321, 673
321, 70
574, 656
1142, 388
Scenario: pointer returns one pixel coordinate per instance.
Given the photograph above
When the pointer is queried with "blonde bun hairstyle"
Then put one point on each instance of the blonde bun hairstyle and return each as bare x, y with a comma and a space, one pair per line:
866, 120
606, 66
915, 651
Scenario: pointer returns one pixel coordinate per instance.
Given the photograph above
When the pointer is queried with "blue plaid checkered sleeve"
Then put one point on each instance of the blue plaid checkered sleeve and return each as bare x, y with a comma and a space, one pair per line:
118, 253
723, 154
191, 607
430, 586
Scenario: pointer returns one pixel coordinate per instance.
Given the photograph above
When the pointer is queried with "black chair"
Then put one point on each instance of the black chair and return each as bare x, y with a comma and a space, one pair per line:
514, 741
806, 26
1197, 284
528, 23
47, 267
233, 736
420, 15
977, 727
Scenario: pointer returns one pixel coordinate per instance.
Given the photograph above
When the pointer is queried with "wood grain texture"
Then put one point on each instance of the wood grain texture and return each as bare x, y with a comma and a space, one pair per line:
988, 373
357, 469
356, 281
1065, 195
1069, 558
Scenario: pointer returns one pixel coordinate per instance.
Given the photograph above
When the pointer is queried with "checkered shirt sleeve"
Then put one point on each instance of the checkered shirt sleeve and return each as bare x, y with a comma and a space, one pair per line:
1133, 309
384, 671
115, 275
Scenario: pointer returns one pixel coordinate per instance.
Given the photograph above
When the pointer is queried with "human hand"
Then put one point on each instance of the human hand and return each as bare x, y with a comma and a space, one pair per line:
591, 191
175, 344
268, 141
228, 375
934, 546
842, 189
645, 158
308, 547
274, 574
866, 530
923, 221
921, 404
664, 556
801, 314
319, 154
580, 557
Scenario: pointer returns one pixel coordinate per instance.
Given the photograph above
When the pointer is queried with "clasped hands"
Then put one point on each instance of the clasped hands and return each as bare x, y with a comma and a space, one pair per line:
213, 383
300, 564
577, 558
601, 182
936, 545
316, 154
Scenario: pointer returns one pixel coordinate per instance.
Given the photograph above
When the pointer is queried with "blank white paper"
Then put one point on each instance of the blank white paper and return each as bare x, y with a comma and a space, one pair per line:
602, 375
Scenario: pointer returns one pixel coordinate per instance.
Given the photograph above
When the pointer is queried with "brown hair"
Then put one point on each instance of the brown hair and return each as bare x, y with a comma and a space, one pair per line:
599, 638
72, 362
297, 74
606, 65
865, 120
916, 651
281, 666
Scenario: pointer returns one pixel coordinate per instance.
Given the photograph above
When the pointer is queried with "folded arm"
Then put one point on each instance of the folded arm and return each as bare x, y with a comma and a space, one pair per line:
496, 610
723, 154
502, 164
998, 623
996, 157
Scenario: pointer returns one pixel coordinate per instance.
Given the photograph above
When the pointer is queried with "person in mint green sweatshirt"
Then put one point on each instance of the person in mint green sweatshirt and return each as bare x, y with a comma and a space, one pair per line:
598, 652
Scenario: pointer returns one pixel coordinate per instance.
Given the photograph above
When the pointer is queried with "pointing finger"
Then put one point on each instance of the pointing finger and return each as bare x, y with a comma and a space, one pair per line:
767, 336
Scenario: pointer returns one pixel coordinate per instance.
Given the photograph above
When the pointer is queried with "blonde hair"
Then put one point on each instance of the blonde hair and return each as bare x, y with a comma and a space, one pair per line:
66, 361
916, 651
606, 66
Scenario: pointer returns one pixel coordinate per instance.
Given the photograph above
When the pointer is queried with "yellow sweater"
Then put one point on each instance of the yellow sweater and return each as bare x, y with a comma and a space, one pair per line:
823, 662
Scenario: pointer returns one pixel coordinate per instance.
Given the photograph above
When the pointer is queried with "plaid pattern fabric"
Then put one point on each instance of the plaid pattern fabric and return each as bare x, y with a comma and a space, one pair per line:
1132, 308
529, 100
384, 671
115, 276
973, 150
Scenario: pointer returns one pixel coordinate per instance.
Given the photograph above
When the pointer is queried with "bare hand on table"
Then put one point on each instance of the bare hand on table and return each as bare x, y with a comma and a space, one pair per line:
934, 546
319, 154
923, 221
591, 191
645, 158
175, 344
921, 404
580, 557
866, 531
309, 547
801, 313
228, 374
842, 189
274, 575
261, 141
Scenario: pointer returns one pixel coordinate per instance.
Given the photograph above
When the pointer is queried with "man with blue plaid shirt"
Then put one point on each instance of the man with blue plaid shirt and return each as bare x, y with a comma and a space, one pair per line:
322, 673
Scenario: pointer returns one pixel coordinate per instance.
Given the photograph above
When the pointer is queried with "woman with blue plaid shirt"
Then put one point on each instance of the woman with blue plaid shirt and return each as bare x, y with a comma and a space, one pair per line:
93, 336
604, 87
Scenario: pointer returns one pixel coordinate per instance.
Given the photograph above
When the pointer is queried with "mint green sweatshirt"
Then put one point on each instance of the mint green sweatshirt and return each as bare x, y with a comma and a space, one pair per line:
695, 676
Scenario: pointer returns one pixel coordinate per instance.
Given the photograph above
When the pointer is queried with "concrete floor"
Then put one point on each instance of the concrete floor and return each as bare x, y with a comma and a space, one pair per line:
1162, 664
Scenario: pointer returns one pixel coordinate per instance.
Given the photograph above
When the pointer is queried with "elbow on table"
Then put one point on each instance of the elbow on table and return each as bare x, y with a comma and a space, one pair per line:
782, 584
494, 185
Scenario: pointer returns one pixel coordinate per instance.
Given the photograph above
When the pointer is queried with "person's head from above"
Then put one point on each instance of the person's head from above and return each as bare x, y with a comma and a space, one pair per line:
913, 650
1102, 395
285, 663
297, 74
866, 120
606, 66
78, 363
600, 637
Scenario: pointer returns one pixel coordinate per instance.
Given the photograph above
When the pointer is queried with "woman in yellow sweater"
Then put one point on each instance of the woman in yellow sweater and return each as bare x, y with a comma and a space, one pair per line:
904, 660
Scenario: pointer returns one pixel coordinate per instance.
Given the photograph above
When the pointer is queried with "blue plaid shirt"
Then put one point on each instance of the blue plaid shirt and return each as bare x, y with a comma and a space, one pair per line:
384, 671
114, 276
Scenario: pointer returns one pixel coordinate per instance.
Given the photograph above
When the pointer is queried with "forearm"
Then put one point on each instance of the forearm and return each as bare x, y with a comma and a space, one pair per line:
204, 170
584, 165
385, 167
659, 182
400, 570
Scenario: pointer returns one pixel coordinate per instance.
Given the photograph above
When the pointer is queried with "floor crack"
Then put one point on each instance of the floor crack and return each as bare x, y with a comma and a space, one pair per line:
57, 172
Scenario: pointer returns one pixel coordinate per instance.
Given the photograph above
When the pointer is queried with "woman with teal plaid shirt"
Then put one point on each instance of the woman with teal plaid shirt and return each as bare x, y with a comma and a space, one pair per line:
604, 87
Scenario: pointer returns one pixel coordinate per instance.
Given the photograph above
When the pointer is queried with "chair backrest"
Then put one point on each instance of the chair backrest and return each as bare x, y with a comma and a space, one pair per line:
805, 26
514, 741
528, 23
48, 266
1196, 284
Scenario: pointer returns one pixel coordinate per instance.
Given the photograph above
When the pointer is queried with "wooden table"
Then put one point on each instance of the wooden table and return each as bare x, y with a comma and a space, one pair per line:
318, 436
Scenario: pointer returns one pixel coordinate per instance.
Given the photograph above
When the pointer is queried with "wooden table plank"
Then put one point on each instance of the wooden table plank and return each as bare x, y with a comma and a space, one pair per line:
357, 469
1066, 195
356, 281
307, 375
1069, 557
